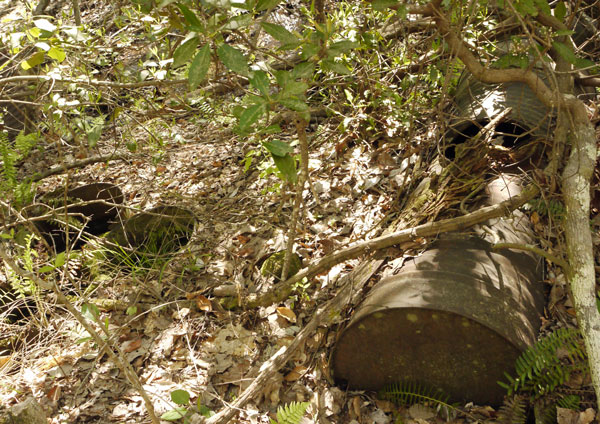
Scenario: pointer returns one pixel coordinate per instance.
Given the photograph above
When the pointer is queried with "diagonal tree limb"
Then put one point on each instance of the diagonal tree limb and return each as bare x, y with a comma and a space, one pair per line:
283, 289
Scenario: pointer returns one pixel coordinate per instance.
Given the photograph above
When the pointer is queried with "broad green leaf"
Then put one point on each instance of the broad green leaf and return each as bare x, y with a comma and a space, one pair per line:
511, 60
33, 60
337, 67
93, 135
294, 88
303, 70
244, 5
581, 63
283, 78
278, 147
90, 311
175, 414
44, 25
190, 16
184, 52
45, 269
380, 5
287, 166
543, 6
279, 33
250, 116
560, 11
266, 4
199, 67
562, 32
180, 397
233, 59
60, 260
131, 310
341, 47
204, 411
309, 51
526, 7
565, 52
260, 81
57, 54
294, 104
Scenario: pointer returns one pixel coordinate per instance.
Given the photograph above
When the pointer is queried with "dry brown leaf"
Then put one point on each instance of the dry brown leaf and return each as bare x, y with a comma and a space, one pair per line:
296, 373
203, 303
535, 218
286, 313
4, 360
131, 345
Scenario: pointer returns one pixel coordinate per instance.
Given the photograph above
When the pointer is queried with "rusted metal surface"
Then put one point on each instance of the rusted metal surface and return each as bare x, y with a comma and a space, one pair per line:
455, 317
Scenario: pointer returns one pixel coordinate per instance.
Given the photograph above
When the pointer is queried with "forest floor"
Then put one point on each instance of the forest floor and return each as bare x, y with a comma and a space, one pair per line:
180, 336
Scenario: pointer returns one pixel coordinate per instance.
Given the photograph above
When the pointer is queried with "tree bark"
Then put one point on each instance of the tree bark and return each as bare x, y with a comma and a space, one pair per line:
576, 194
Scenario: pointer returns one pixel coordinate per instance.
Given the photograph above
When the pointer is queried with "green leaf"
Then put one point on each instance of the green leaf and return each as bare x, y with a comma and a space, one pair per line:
33, 61
565, 52
180, 397
260, 81
199, 67
543, 6
175, 414
44, 25
90, 311
303, 70
309, 51
190, 17
560, 11
294, 104
278, 147
581, 63
57, 54
94, 134
337, 67
233, 59
204, 411
184, 52
266, 4
131, 310
45, 269
294, 88
83, 340
250, 116
562, 32
283, 78
341, 47
60, 260
380, 5
279, 33
287, 166
512, 60
526, 7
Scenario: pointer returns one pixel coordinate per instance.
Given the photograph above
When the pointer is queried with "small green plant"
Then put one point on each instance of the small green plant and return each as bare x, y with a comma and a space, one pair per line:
183, 411
539, 369
291, 413
411, 392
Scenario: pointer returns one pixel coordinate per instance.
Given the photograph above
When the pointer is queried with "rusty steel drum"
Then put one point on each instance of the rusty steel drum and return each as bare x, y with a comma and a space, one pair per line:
454, 318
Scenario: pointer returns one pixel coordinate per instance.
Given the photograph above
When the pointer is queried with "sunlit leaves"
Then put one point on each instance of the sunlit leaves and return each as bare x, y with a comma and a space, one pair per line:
199, 67
233, 59
286, 38
260, 81
284, 161
191, 18
184, 52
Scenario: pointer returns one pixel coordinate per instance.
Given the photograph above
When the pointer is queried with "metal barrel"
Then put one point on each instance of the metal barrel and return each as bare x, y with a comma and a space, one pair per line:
454, 318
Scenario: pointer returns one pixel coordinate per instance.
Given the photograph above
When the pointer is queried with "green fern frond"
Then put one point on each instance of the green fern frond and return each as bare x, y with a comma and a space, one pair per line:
539, 369
547, 207
569, 402
291, 413
410, 393
7, 154
513, 410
